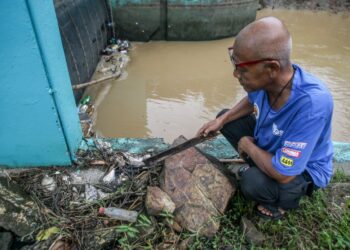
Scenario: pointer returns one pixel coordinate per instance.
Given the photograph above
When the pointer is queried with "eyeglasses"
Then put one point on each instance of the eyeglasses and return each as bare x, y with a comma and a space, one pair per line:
242, 64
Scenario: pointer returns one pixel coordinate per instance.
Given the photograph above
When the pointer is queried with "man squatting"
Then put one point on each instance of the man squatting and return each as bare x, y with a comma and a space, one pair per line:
282, 128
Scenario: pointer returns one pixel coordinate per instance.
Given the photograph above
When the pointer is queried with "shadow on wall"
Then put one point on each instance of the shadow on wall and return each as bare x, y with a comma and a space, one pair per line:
84, 28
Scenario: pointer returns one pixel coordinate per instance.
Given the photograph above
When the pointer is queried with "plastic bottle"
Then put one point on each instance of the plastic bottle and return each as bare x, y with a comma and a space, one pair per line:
119, 213
85, 100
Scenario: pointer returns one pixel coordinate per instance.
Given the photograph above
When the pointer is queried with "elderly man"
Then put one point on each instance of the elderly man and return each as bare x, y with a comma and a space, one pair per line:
282, 128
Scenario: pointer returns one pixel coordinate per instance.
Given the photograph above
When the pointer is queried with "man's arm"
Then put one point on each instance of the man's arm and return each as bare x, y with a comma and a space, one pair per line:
262, 159
243, 108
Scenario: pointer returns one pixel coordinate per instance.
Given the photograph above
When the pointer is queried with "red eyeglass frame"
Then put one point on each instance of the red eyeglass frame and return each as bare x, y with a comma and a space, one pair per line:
242, 64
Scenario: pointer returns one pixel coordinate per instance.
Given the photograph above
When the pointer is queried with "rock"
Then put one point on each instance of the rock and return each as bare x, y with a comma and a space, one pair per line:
186, 243
176, 227
18, 213
6, 239
338, 197
158, 201
169, 241
252, 235
198, 188
234, 168
173, 225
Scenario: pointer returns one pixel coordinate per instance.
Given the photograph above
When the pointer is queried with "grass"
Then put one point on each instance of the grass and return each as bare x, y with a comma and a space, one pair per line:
340, 176
322, 222
318, 224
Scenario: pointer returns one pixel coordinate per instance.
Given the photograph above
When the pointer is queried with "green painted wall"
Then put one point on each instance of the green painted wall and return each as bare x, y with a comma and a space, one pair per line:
182, 19
206, 20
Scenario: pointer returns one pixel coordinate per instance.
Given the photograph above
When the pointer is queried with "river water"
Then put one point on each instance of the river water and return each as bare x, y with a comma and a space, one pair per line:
172, 88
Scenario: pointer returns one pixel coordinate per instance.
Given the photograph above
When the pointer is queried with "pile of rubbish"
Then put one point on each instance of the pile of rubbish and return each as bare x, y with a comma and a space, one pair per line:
86, 206
111, 200
112, 65
86, 110
118, 45
114, 58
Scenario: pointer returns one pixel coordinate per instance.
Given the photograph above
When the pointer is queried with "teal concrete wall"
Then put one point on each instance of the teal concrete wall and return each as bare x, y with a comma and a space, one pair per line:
39, 122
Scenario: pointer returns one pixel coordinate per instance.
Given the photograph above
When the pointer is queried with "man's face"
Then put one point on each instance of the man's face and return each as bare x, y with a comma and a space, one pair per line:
249, 70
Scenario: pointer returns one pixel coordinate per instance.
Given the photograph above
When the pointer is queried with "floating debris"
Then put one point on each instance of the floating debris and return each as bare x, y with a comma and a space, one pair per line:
114, 58
85, 111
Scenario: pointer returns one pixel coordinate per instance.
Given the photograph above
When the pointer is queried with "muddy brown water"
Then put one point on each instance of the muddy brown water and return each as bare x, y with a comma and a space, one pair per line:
172, 88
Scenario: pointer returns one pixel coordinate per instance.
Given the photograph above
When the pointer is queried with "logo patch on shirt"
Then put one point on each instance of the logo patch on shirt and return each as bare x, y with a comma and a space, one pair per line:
276, 131
291, 152
286, 161
256, 111
296, 145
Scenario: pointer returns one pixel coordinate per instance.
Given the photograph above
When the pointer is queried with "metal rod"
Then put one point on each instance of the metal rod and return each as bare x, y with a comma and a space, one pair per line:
232, 160
86, 84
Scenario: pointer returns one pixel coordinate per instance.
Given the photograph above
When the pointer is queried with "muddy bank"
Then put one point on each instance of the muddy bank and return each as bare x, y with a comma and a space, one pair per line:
332, 5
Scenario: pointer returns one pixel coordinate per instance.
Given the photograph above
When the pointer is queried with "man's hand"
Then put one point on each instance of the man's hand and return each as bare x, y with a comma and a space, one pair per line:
244, 143
212, 126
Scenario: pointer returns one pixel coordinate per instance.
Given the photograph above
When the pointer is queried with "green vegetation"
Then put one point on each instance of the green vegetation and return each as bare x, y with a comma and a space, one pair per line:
320, 223
339, 176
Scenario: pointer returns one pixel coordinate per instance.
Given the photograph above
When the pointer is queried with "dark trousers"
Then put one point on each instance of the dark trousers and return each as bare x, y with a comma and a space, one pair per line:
255, 184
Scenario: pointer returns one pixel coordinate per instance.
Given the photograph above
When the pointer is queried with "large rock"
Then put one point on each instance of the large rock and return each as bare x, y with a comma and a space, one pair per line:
17, 210
198, 188
6, 240
158, 201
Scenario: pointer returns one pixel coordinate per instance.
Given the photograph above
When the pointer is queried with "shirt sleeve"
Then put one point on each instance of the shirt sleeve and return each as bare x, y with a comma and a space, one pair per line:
298, 144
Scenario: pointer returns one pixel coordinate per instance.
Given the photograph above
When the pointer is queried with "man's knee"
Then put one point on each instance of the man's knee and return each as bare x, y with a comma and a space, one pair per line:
255, 185
251, 181
291, 192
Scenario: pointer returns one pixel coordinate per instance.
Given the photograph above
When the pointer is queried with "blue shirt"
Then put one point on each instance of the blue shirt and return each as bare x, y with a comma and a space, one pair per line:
299, 133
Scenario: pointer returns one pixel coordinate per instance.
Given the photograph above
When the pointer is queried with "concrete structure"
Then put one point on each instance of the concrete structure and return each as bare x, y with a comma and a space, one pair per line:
191, 20
84, 27
39, 122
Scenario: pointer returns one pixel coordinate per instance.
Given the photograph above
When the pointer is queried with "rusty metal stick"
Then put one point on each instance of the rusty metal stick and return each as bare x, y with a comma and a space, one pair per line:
232, 160
86, 84
176, 149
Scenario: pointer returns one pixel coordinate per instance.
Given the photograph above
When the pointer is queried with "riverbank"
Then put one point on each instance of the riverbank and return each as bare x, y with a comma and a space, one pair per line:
328, 5
107, 173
